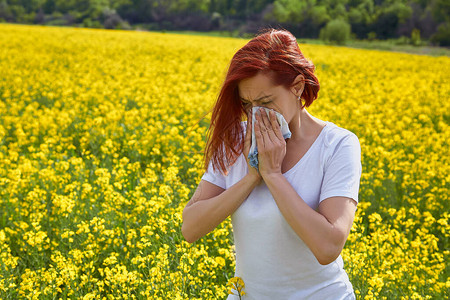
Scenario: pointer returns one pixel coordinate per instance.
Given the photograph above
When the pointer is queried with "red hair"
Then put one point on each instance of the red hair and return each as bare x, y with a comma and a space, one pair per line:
273, 52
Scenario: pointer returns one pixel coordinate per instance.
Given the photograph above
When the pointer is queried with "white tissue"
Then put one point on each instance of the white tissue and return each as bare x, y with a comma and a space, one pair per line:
253, 153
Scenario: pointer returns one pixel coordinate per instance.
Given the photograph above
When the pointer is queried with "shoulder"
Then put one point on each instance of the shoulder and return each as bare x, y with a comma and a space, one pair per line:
340, 144
336, 136
342, 164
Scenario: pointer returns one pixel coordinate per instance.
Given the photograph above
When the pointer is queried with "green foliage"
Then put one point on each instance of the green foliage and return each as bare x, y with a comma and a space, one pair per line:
336, 31
371, 36
415, 37
355, 16
442, 36
401, 10
91, 23
305, 18
319, 15
292, 11
441, 10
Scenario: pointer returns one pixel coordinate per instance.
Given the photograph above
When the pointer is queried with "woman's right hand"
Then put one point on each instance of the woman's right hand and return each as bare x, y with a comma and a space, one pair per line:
247, 144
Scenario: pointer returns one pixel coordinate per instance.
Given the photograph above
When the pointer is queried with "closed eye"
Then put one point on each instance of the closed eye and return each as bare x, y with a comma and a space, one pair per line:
260, 100
245, 103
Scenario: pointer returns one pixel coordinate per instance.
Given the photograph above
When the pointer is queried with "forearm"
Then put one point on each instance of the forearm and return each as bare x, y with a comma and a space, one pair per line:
321, 236
203, 216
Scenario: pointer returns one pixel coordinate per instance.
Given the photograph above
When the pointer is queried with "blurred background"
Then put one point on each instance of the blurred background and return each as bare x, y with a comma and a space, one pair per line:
398, 22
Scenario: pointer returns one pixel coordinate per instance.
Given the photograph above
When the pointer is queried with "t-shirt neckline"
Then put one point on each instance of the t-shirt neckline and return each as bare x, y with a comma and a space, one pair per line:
308, 152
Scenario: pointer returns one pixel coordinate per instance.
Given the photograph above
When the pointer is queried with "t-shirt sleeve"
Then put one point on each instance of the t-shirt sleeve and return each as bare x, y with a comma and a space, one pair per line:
343, 170
214, 177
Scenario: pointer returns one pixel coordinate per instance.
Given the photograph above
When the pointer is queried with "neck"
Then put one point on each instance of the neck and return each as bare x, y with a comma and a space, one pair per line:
303, 125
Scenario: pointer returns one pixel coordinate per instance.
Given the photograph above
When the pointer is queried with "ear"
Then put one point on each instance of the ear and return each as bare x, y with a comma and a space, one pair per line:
298, 85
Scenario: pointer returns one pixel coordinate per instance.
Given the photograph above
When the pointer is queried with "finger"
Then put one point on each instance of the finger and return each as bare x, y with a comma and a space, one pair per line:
248, 134
276, 126
259, 133
273, 136
268, 133
264, 118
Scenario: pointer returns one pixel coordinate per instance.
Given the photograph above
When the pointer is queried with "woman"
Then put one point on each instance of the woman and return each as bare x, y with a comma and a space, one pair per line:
292, 215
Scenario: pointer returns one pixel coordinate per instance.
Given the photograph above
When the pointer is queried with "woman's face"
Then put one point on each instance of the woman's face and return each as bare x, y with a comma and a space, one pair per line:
260, 91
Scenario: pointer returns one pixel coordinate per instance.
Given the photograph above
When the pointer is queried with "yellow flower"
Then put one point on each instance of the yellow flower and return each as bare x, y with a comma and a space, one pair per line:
101, 141
236, 284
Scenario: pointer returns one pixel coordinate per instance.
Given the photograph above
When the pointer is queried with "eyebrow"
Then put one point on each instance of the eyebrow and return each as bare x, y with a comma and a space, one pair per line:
257, 100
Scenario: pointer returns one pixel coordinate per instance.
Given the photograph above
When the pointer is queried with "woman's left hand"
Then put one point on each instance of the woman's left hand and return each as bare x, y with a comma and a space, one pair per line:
270, 142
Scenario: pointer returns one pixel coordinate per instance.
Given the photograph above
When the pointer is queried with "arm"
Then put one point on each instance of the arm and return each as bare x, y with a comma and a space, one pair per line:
210, 205
324, 231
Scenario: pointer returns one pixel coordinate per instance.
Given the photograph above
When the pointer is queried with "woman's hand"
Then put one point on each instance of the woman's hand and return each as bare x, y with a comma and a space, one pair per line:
271, 144
247, 144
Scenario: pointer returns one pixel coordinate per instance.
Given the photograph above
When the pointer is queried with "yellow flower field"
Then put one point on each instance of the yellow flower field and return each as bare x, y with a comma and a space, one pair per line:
101, 139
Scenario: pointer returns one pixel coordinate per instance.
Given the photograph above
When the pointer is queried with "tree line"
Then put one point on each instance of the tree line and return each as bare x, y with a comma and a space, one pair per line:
362, 19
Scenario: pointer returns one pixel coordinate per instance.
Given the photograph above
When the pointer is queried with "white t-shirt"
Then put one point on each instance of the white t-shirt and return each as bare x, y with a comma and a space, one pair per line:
270, 257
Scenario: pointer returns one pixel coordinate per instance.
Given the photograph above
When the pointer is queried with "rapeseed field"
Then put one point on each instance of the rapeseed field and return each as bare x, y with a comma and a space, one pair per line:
101, 139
